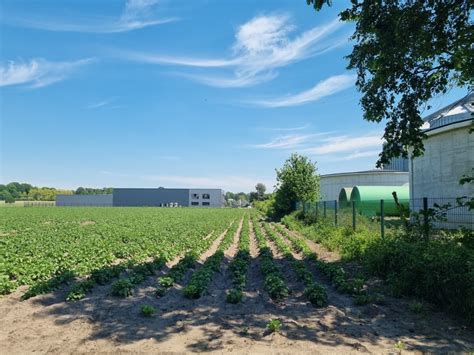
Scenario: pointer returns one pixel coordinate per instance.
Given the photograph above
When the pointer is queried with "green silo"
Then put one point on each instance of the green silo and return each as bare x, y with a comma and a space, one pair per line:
367, 199
344, 197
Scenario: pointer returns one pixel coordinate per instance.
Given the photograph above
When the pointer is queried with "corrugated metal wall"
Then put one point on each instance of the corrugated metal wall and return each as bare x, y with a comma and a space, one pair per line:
150, 197
84, 200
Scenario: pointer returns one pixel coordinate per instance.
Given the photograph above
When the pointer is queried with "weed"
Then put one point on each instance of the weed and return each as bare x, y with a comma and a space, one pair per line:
399, 345
274, 325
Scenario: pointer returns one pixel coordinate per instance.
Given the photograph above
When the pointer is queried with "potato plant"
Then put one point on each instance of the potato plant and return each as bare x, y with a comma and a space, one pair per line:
202, 277
315, 293
274, 283
238, 267
46, 248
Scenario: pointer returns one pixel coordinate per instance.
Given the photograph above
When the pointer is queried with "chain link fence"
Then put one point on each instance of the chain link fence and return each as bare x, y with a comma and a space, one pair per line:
441, 213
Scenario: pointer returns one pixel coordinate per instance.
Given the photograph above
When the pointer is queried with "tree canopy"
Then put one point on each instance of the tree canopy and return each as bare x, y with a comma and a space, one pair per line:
21, 191
297, 180
406, 52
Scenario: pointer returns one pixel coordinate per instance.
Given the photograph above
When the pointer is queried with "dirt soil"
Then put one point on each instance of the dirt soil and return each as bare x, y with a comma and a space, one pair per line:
102, 323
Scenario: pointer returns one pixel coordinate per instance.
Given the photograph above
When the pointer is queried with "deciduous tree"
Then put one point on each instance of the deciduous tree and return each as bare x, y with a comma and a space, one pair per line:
406, 52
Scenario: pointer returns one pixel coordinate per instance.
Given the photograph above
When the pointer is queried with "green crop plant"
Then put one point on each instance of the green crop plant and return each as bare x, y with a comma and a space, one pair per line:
45, 255
274, 325
147, 310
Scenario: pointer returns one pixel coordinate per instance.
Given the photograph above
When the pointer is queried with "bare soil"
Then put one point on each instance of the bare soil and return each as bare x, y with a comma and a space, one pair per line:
101, 323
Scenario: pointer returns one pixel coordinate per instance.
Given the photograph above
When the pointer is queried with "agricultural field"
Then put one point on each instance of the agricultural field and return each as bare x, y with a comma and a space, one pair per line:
191, 280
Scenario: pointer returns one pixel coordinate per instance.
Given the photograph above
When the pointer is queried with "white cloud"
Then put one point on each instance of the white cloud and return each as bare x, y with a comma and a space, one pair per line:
103, 103
322, 89
287, 141
261, 46
345, 144
38, 72
357, 155
137, 14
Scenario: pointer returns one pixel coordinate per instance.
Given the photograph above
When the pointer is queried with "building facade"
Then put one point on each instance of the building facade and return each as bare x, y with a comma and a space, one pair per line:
147, 197
84, 200
449, 154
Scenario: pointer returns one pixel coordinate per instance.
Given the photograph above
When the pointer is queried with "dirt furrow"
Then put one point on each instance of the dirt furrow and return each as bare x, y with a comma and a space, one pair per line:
391, 319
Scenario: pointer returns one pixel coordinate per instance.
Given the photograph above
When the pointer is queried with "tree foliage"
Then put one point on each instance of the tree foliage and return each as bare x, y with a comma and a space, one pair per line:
14, 191
260, 188
407, 52
297, 181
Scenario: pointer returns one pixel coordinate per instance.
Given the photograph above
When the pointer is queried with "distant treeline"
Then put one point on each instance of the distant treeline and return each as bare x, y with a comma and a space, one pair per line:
15, 191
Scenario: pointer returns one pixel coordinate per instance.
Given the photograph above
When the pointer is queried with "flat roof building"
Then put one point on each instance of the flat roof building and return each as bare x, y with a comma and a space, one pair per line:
148, 197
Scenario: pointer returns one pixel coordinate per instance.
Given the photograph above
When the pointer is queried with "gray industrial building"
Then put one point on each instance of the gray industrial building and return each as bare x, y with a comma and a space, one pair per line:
147, 197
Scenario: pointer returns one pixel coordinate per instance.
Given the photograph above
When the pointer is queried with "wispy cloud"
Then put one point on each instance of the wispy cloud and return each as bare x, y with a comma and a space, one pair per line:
38, 73
322, 89
357, 155
345, 144
100, 104
289, 141
327, 146
261, 46
137, 14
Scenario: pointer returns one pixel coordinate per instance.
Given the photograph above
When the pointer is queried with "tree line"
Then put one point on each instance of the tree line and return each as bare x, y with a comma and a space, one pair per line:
15, 191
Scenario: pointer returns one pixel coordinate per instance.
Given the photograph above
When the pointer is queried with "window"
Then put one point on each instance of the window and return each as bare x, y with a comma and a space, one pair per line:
195, 196
194, 203
206, 204
206, 196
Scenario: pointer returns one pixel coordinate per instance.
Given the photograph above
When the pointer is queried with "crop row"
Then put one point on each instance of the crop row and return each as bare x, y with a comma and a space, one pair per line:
44, 248
339, 278
202, 277
274, 282
239, 265
315, 292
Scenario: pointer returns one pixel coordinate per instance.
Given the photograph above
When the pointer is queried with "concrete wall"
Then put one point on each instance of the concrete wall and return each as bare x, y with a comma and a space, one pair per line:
84, 200
196, 197
332, 184
150, 197
449, 153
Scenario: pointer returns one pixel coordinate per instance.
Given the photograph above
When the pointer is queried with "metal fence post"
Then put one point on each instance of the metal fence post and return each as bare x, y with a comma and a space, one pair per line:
335, 212
382, 219
353, 215
425, 217
317, 211
324, 206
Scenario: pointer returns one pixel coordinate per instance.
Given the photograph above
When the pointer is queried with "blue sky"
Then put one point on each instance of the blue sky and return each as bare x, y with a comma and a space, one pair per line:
145, 93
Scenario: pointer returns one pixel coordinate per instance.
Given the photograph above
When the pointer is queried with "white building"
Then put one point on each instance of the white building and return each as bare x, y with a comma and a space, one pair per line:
449, 154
